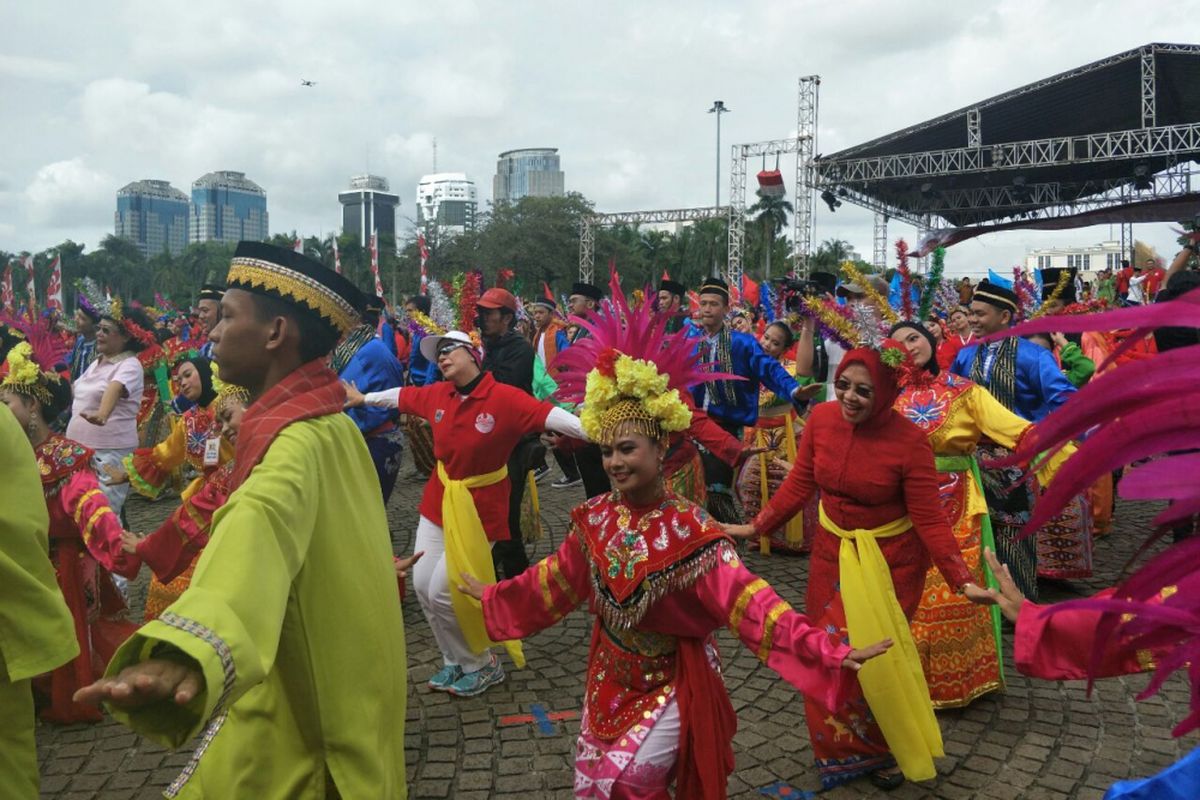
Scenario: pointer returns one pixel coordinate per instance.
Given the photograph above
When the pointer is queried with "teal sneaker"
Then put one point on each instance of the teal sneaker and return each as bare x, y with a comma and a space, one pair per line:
445, 677
479, 681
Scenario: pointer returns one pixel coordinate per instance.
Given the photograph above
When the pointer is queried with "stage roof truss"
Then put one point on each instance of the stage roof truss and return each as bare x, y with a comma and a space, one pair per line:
589, 223
1121, 129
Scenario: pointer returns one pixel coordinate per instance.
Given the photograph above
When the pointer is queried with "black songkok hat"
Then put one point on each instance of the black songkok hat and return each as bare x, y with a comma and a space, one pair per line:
674, 287
211, 291
296, 279
998, 296
1050, 278
715, 286
587, 290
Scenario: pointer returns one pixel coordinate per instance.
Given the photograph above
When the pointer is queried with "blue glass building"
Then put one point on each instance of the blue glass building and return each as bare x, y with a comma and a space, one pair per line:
531, 172
153, 215
228, 207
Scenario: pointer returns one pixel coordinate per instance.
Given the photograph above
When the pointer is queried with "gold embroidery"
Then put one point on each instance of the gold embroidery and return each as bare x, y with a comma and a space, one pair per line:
777, 611
1145, 660
739, 607
91, 523
296, 286
194, 515
1167, 591
543, 577
88, 495
561, 580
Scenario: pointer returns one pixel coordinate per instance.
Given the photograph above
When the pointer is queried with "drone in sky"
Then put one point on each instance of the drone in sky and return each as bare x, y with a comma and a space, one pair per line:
304, 82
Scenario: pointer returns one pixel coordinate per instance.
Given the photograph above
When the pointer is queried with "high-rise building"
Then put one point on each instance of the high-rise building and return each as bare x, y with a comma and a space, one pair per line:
228, 207
532, 172
368, 206
447, 200
154, 215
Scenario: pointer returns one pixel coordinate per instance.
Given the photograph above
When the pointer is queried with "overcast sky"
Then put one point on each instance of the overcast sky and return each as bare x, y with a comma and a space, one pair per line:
100, 94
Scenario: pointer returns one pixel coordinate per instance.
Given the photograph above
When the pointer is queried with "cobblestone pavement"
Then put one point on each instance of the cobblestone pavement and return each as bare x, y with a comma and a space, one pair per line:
1037, 740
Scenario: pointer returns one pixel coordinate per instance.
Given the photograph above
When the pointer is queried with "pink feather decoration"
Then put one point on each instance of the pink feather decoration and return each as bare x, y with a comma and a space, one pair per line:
638, 333
1151, 410
49, 349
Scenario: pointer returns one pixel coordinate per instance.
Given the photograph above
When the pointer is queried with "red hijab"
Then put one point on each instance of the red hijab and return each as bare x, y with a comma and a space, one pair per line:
884, 377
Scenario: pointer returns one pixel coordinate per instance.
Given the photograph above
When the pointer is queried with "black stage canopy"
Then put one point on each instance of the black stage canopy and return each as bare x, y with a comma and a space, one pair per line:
1119, 131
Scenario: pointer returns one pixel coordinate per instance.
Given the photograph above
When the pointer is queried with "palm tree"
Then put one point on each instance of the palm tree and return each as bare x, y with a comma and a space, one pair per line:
772, 214
830, 254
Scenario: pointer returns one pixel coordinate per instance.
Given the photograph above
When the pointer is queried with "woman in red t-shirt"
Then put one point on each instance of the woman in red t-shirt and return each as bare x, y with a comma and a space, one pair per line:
476, 423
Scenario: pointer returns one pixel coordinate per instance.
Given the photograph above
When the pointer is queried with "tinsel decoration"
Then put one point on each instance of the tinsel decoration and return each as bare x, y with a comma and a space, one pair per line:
468, 298
934, 283
947, 299
869, 322
440, 309
503, 277
1060, 286
1085, 307
906, 280
1026, 292
420, 323
855, 276
830, 321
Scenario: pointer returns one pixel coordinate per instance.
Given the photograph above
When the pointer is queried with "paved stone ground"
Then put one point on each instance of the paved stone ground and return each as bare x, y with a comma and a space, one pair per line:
1037, 740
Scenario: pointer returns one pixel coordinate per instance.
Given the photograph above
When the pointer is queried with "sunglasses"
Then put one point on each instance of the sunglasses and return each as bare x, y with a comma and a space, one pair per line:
865, 392
447, 348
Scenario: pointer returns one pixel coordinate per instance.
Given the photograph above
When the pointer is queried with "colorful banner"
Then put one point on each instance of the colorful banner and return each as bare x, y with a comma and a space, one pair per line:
30, 287
424, 251
375, 263
337, 258
7, 298
54, 298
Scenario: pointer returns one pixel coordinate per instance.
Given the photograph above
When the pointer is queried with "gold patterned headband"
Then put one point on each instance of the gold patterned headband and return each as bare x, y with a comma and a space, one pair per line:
295, 286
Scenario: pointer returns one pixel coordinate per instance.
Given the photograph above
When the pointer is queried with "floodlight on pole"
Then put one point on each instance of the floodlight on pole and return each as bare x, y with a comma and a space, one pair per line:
718, 108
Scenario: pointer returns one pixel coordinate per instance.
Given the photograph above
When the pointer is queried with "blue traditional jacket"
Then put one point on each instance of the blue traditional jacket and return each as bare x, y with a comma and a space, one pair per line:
373, 368
1040, 385
747, 359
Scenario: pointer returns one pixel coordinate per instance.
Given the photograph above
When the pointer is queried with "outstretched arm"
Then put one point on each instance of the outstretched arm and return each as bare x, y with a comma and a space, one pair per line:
538, 597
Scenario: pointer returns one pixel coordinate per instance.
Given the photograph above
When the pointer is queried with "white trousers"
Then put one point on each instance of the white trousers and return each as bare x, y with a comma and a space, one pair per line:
432, 585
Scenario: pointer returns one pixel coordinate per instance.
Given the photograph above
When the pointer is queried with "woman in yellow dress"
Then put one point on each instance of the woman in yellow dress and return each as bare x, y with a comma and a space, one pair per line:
958, 641
195, 440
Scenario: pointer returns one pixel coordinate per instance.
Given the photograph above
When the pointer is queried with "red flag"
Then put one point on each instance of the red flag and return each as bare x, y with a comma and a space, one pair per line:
30, 288
7, 298
337, 258
375, 263
546, 291
424, 251
666, 276
298, 245
54, 298
750, 290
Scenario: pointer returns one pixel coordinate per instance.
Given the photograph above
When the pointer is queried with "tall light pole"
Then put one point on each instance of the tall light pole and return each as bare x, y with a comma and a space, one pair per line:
718, 108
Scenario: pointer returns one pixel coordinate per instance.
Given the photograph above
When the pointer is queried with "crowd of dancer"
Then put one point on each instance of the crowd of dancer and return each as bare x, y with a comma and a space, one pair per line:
935, 451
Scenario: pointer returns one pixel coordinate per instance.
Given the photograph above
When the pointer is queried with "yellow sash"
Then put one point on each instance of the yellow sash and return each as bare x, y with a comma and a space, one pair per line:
467, 550
793, 530
893, 683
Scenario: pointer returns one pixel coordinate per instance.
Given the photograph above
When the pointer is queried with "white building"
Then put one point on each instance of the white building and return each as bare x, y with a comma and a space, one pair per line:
448, 201
1088, 260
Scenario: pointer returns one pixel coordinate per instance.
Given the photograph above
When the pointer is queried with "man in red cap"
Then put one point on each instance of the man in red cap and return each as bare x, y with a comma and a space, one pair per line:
509, 357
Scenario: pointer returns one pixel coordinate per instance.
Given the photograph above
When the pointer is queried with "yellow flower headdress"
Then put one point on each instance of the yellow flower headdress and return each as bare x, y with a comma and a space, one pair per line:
24, 375
228, 392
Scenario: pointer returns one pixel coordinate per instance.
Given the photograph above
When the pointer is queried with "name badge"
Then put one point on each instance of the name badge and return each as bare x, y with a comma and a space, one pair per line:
212, 452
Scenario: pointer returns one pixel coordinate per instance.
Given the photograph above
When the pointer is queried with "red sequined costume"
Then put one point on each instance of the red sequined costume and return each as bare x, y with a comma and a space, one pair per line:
85, 545
659, 581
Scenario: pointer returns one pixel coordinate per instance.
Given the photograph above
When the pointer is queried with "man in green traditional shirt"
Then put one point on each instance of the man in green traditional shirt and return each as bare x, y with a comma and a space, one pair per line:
287, 649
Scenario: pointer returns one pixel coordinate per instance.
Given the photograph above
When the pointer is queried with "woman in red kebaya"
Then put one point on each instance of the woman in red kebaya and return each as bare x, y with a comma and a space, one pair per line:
85, 533
880, 522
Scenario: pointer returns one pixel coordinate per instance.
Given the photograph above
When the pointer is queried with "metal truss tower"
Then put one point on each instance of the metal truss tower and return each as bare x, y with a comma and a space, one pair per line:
879, 257
806, 138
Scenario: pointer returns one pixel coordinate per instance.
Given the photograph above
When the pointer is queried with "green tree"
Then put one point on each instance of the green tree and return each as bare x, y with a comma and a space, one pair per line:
771, 215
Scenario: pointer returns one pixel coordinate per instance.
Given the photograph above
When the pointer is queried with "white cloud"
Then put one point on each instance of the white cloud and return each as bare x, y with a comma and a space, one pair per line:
66, 194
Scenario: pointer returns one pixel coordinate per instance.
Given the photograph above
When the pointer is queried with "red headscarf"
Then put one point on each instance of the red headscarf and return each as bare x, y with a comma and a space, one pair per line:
882, 376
